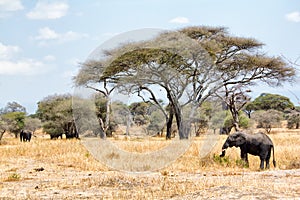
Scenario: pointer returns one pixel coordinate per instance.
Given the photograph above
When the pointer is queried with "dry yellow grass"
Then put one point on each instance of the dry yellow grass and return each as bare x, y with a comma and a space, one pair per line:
68, 153
71, 153
287, 152
64, 169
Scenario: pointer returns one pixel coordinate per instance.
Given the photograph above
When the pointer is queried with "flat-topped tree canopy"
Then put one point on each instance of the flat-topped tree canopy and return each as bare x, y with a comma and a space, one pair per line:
240, 57
189, 64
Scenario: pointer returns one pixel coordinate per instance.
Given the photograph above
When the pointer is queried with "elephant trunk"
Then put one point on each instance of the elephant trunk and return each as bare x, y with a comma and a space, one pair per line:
224, 147
223, 153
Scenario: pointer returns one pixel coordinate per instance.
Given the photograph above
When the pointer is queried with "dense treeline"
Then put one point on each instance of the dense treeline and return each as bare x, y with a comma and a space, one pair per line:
54, 115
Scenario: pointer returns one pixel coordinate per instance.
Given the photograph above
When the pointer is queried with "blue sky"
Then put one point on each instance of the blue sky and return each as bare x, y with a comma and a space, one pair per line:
42, 42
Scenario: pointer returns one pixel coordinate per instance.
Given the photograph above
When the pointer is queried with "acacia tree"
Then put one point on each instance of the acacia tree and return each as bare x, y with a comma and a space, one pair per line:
235, 99
186, 77
13, 107
188, 65
268, 101
90, 76
243, 63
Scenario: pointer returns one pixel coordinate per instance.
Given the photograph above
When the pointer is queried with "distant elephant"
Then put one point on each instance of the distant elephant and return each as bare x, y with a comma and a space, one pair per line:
25, 136
258, 144
56, 136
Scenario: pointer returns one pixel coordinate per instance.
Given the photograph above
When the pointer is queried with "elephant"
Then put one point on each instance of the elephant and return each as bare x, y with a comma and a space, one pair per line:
258, 144
56, 136
25, 136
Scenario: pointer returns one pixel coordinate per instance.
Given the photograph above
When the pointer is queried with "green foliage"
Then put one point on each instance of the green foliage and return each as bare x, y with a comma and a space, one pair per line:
84, 112
139, 111
15, 121
208, 109
224, 161
241, 163
249, 108
268, 101
12, 118
14, 177
53, 128
13, 107
120, 113
244, 121
210, 115
157, 122
100, 102
56, 114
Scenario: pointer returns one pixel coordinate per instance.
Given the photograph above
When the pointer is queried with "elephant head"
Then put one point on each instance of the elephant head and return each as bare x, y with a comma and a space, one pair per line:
236, 139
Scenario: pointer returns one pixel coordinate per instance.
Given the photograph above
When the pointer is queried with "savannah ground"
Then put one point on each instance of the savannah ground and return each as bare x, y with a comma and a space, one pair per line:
64, 169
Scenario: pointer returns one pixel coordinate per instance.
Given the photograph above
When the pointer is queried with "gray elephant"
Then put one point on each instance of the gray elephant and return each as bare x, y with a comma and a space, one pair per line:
25, 136
258, 144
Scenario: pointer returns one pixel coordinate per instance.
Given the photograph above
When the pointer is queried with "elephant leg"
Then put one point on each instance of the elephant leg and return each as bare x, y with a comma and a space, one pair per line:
244, 157
268, 164
246, 160
268, 160
262, 161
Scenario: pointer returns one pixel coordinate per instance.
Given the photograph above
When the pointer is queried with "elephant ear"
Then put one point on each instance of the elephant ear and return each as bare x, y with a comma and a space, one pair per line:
240, 139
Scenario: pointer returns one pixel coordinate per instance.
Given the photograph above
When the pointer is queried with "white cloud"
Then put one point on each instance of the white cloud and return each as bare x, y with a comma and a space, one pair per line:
180, 20
11, 65
7, 51
46, 10
11, 5
22, 67
293, 16
47, 35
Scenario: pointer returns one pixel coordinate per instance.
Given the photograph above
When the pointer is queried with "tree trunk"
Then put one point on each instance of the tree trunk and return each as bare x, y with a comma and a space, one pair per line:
235, 117
1, 135
236, 126
183, 128
169, 123
236, 122
128, 123
101, 129
107, 118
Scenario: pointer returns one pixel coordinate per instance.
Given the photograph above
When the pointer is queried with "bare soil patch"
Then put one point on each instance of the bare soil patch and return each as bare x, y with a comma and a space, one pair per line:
64, 182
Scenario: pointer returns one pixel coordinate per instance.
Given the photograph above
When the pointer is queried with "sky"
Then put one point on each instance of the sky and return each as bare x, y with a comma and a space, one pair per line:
43, 42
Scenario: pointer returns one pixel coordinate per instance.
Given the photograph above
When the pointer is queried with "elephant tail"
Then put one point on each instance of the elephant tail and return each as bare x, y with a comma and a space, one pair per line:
274, 162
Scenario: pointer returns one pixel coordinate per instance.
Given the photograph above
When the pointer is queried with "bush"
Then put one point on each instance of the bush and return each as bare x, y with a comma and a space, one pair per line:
268, 119
293, 120
224, 161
